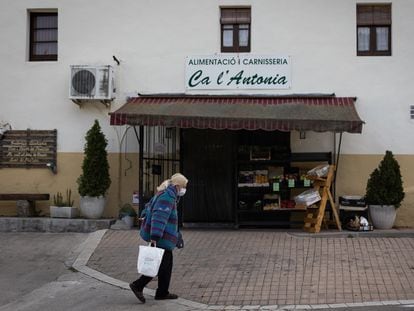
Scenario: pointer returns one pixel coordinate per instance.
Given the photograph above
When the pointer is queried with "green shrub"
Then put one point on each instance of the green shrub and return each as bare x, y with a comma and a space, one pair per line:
95, 179
385, 186
127, 210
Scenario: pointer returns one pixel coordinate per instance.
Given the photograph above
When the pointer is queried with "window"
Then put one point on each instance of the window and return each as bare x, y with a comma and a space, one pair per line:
43, 36
235, 30
373, 29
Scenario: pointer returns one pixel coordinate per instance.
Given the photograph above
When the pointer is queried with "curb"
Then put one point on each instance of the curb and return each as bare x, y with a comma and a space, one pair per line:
88, 247
393, 233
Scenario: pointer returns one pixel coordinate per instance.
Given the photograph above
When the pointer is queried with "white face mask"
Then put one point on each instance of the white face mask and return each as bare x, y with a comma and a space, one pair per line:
182, 192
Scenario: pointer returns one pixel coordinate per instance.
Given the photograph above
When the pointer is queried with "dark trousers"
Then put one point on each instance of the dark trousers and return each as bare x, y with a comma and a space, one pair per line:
164, 275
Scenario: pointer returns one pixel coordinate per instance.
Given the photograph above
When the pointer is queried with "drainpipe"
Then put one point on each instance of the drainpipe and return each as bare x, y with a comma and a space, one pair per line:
337, 159
140, 139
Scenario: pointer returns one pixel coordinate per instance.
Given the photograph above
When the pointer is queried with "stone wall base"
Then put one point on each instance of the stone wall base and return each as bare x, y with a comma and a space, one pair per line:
45, 224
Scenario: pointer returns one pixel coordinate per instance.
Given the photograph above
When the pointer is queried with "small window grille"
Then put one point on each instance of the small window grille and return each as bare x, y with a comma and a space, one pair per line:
412, 112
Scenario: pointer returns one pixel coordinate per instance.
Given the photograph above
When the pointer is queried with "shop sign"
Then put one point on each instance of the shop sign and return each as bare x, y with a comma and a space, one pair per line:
237, 71
28, 148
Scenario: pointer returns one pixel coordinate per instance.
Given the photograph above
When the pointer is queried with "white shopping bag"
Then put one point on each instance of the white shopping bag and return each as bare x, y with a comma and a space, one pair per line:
149, 260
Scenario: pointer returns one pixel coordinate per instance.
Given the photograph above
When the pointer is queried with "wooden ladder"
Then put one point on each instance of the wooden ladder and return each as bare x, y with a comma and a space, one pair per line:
315, 214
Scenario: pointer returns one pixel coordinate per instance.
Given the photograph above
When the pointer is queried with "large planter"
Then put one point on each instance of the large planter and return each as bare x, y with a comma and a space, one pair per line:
63, 212
92, 207
382, 216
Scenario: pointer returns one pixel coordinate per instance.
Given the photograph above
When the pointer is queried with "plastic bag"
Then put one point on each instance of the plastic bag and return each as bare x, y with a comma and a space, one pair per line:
319, 171
353, 224
149, 260
363, 221
308, 197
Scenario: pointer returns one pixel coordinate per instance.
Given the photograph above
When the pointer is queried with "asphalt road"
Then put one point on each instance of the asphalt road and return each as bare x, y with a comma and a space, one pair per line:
29, 260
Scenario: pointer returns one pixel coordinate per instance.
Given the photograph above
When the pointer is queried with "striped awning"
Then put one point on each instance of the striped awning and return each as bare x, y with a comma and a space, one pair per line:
301, 113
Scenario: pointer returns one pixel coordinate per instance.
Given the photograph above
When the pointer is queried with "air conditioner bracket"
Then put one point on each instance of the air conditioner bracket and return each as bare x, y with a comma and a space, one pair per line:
79, 102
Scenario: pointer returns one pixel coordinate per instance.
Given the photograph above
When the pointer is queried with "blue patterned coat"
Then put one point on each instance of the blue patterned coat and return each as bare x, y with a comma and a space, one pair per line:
161, 219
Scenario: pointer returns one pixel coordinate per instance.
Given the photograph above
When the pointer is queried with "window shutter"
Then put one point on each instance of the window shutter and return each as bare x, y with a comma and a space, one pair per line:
382, 14
235, 16
364, 15
373, 15
243, 16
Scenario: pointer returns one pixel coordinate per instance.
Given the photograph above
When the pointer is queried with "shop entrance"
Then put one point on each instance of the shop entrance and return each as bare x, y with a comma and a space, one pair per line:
213, 160
233, 179
208, 160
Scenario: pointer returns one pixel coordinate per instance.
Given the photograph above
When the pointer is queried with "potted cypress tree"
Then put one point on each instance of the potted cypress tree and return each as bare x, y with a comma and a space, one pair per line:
384, 192
94, 180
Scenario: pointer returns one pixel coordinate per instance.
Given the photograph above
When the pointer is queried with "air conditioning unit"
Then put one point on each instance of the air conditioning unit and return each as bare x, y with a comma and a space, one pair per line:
92, 83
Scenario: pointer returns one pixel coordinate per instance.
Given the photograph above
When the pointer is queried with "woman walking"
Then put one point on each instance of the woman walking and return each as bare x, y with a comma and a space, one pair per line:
160, 228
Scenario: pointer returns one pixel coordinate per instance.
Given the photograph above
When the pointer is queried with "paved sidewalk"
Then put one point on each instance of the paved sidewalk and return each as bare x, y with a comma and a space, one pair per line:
263, 267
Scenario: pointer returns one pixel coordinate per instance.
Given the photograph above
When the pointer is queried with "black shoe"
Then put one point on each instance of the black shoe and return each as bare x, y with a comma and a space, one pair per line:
138, 293
168, 296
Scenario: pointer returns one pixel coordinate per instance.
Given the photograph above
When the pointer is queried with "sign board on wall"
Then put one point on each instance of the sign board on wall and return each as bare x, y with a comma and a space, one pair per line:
237, 71
28, 148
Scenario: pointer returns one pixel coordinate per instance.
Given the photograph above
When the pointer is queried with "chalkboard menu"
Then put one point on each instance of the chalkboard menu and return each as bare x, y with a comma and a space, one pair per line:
28, 148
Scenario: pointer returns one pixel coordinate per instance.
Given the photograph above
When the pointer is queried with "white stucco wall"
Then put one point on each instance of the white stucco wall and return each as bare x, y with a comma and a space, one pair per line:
153, 37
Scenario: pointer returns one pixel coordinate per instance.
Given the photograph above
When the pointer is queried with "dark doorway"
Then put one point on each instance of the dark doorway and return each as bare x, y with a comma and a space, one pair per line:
208, 160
